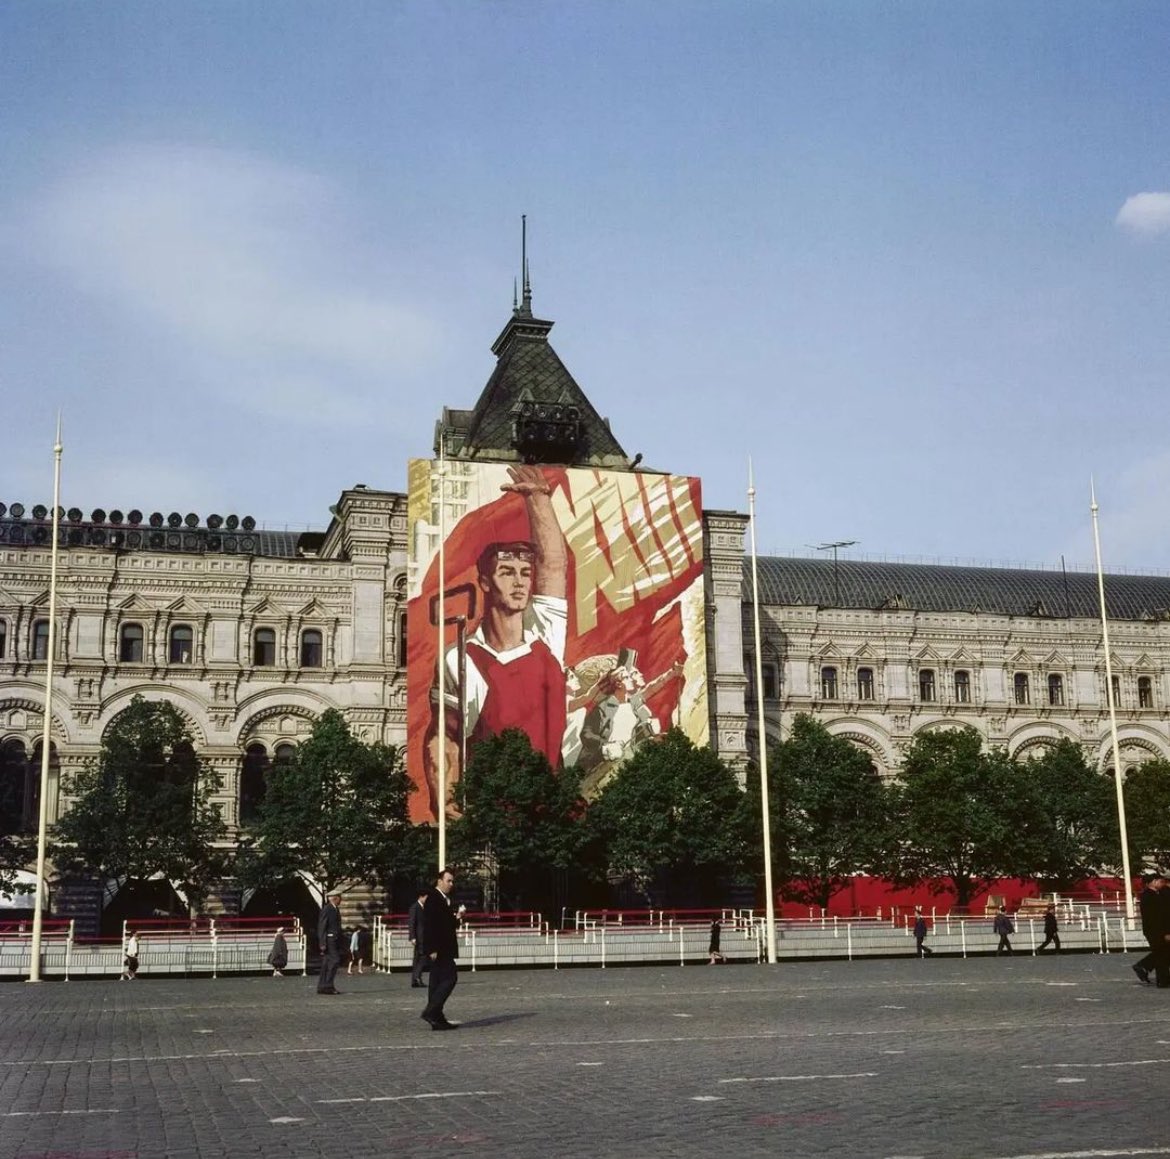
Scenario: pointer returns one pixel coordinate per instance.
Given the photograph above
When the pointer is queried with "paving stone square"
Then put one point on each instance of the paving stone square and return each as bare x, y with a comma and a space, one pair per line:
981, 1058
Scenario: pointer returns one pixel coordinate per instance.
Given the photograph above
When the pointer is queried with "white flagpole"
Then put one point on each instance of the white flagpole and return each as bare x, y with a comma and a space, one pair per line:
769, 900
441, 735
1112, 712
34, 972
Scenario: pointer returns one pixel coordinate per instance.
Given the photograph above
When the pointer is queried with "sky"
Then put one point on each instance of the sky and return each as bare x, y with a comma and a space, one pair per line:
912, 259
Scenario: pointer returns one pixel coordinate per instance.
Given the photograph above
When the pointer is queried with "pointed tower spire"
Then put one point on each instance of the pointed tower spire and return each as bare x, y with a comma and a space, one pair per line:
525, 310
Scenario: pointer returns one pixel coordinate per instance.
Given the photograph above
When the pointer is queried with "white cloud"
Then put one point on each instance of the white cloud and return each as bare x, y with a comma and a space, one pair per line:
1145, 213
250, 266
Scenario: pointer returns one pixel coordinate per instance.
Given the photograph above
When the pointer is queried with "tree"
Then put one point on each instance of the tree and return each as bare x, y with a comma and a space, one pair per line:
673, 815
143, 806
962, 814
832, 807
336, 812
16, 852
526, 815
1079, 836
1147, 814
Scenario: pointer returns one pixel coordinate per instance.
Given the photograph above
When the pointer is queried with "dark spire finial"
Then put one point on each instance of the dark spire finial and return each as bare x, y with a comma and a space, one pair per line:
526, 299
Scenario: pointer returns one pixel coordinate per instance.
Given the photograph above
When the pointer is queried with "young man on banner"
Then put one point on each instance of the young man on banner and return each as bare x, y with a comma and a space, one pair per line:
514, 662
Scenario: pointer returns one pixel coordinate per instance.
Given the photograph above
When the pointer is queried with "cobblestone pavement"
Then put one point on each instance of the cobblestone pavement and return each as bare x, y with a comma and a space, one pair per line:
977, 1059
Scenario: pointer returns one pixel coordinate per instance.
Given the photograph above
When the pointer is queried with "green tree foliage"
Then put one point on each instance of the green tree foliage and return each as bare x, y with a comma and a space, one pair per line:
528, 817
15, 854
962, 814
1078, 835
336, 811
831, 809
673, 816
1147, 814
143, 806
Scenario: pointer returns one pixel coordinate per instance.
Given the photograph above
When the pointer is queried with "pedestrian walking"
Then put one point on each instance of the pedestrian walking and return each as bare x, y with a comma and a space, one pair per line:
1005, 927
329, 937
355, 951
130, 958
920, 930
414, 933
1149, 902
441, 947
1051, 930
714, 954
278, 955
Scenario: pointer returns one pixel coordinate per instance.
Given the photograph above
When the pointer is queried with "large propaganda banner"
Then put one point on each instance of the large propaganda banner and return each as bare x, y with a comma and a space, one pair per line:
573, 609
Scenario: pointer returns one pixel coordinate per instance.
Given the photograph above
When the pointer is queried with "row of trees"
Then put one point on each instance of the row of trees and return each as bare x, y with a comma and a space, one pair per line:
673, 823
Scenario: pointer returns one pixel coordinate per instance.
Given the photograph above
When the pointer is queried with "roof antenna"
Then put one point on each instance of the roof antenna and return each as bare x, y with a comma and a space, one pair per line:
526, 301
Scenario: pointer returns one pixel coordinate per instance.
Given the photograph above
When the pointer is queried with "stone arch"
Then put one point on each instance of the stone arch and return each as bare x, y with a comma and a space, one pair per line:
870, 739
945, 724
184, 705
23, 704
1150, 745
266, 722
1030, 740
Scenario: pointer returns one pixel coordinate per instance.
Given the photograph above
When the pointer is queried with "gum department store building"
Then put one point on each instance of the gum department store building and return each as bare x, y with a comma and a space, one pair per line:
250, 633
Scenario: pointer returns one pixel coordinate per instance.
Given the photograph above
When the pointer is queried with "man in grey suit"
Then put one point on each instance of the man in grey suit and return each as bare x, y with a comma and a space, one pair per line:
329, 943
414, 932
441, 946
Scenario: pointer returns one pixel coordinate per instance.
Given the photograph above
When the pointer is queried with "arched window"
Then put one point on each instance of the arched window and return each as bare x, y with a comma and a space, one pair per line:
829, 683
264, 648
962, 686
1020, 688
1116, 691
1055, 688
253, 781
926, 684
1145, 691
15, 788
40, 640
312, 653
182, 645
865, 684
3, 638
402, 640
130, 641
283, 755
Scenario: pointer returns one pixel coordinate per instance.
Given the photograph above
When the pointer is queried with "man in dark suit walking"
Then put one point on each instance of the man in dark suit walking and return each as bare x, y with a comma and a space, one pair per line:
1150, 905
414, 932
441, 947
329, 943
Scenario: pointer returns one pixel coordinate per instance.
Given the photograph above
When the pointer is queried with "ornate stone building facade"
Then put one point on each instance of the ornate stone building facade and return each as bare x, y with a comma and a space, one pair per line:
251, 634
881, 651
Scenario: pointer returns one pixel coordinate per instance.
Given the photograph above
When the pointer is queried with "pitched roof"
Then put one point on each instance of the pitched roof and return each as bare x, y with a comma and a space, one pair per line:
528, 370
938, 588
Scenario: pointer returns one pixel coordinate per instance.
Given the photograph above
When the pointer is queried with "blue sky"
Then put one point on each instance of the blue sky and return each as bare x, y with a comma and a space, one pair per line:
913, 258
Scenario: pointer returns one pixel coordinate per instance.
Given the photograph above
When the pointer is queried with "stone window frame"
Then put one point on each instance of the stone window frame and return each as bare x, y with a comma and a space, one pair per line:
1021, 689
38, 640
126, 642
965, 696
866, 688
830, 682
172, 641
256, 644
303, 644
1145, 689
1056, 690
928, 685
